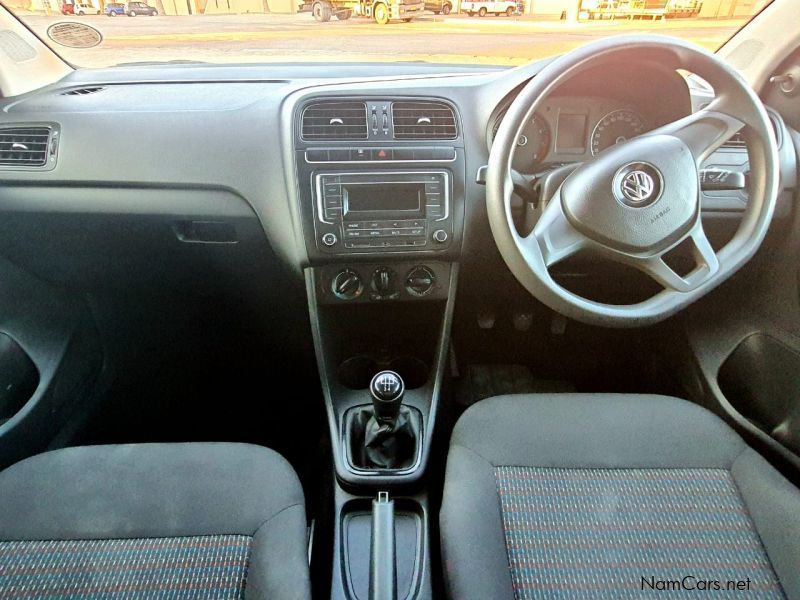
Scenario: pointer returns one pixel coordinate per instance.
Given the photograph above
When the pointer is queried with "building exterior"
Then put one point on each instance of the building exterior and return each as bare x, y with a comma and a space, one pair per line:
575, 9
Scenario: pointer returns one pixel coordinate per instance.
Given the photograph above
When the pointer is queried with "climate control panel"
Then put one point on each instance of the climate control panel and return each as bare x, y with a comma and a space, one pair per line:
382, 282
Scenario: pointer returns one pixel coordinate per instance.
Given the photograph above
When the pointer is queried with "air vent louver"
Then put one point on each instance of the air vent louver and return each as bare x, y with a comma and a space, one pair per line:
737, 141
84, 91
333, 120
423, 121
24, 146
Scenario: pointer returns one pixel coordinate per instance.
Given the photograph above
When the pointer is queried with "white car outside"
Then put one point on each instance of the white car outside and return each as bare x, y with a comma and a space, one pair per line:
482, 9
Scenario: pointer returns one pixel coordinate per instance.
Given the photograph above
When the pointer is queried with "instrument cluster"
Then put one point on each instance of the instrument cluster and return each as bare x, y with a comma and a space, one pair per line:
572, 129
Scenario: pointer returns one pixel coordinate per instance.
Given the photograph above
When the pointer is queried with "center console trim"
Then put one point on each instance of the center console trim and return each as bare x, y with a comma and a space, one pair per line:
429, 394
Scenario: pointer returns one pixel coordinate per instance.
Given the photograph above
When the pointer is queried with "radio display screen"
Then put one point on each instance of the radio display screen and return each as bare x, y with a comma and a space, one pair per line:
373, 200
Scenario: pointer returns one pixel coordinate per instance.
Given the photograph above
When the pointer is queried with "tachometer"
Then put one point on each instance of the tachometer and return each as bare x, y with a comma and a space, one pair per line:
533, 143
616, 127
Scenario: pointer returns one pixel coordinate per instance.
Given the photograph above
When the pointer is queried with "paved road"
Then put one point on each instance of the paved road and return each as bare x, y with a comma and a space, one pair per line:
264, 38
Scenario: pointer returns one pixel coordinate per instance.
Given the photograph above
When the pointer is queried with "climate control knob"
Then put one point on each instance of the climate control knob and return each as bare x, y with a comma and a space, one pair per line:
347, 285
420, 281
383, 281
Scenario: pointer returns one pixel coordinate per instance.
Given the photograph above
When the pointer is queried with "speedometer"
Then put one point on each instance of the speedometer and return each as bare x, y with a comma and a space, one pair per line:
616, 127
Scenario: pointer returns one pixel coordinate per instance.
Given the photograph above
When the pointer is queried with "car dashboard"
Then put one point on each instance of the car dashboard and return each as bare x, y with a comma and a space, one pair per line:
352, 195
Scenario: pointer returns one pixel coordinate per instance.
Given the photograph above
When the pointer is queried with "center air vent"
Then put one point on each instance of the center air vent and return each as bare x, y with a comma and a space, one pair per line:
84, 91
334, 120
423, 120
24, 146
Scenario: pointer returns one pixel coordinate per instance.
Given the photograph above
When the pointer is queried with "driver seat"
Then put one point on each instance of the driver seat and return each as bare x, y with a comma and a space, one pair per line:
612, 496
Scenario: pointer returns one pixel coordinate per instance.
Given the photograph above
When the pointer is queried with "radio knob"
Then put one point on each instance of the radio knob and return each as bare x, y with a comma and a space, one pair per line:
329, 239
440, 235
347, 285
420, 281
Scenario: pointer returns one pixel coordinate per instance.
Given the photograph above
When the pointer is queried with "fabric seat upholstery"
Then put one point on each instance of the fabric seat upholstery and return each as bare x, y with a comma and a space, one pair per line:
600, 496
202, 520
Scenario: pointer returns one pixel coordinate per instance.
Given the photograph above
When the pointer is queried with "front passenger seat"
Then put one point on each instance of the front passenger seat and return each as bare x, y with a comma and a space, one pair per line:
613, 496
200, 520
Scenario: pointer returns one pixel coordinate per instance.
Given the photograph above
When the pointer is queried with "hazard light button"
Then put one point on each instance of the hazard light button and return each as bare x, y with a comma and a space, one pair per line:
381, 154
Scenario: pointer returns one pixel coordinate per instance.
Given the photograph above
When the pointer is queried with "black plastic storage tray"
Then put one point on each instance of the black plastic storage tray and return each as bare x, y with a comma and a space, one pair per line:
761, 380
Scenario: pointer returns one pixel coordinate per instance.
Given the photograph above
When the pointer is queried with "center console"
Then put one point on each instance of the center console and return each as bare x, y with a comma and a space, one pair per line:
381, 183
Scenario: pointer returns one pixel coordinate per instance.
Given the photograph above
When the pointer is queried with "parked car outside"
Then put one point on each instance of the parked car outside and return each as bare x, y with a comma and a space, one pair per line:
133, 9
482, 8
439, 6
115, 9
83, 8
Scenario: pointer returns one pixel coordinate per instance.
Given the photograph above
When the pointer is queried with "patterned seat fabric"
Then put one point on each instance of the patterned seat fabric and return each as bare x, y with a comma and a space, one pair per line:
630, 533
212, 566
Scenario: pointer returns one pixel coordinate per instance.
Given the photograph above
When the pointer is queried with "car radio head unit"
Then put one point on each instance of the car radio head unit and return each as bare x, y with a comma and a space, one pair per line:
382, 210
376, 201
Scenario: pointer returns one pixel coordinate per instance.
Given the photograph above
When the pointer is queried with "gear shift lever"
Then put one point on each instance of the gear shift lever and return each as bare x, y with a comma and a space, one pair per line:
387, 389
388, 437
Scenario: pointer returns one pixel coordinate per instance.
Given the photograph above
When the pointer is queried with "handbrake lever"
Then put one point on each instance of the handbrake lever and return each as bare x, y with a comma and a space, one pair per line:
382, 563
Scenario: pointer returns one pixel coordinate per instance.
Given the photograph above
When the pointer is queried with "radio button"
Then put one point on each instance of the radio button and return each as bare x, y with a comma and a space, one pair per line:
329, 239
440, 235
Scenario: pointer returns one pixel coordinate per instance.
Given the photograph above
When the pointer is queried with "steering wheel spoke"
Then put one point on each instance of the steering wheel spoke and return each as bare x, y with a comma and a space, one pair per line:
706, 261
555, 236
703, 131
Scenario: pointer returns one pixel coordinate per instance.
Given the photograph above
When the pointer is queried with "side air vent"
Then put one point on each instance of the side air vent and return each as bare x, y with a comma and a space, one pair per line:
84, 91
334, 120
423, 120
24, 146
737, 141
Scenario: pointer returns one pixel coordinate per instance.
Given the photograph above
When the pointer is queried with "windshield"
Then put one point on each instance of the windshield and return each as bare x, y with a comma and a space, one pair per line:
509, 32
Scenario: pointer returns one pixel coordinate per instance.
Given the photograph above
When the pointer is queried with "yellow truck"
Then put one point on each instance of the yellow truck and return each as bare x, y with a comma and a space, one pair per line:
382, 11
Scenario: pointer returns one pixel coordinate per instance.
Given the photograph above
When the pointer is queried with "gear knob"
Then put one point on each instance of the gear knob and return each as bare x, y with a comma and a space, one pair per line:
387, 390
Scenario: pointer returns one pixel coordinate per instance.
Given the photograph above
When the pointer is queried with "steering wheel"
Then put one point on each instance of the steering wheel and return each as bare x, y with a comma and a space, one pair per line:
636, 201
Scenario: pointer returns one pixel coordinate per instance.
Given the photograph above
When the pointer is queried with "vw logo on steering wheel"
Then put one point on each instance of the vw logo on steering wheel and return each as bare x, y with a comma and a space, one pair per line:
638, 185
